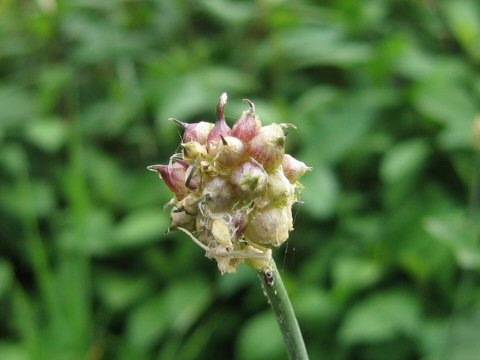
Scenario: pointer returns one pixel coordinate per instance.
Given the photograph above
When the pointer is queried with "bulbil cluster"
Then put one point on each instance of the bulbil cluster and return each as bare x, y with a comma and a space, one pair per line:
234, 188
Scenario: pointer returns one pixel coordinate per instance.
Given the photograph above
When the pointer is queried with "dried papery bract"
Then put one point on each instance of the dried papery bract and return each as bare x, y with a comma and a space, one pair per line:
234, 188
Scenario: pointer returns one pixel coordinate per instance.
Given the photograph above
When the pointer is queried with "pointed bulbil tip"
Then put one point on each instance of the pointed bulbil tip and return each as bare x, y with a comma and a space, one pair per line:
223, 98
288, 126
251, 104
178, 122
294, 169
155, 168
221, 106
248, 125
221, 128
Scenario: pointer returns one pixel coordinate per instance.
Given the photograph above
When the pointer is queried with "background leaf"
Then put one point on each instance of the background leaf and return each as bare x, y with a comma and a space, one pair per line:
381, 317
384, 259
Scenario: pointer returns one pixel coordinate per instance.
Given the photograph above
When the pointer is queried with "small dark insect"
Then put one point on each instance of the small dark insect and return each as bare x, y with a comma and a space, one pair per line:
268, 276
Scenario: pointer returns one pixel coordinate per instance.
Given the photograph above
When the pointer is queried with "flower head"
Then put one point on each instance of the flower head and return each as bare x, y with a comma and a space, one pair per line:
234, 188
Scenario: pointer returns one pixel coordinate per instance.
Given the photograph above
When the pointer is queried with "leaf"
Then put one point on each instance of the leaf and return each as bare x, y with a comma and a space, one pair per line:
334, 123
13, 351
140, 227
176, 310
97, 236
457, 233
18, 106
5, 277
321, 192
194, 92
461, 340
383, 316
232, 13
314, 307
404, 160
442, 98
229, 284
463, 16
432, 337
49, 134
100, 41
260, 339
351, 273
43, 197
120, 290
413, 62
312, 46
53, 82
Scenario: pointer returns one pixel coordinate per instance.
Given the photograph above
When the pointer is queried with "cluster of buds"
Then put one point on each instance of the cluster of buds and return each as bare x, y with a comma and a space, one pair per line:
234, 188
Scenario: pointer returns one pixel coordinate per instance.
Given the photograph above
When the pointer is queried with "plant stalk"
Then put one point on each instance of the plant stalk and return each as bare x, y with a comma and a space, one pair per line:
277, 296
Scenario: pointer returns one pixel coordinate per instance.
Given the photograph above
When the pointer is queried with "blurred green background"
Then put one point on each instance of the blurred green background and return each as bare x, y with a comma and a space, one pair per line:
384, 261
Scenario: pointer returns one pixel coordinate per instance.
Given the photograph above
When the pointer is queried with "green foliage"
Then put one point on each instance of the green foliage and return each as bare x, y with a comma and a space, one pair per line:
384, 260
260, 338
381, 317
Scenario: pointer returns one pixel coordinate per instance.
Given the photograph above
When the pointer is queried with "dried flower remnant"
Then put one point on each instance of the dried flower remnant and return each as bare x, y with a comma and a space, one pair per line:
234, 188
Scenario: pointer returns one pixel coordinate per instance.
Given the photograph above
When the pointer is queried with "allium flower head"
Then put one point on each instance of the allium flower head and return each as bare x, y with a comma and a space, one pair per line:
233, 188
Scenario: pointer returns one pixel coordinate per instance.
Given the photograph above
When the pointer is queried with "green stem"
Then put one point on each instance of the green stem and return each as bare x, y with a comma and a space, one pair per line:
278, 298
